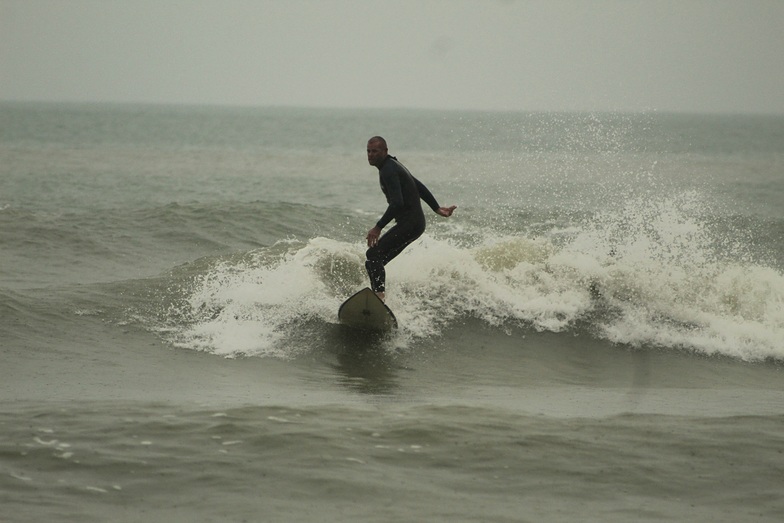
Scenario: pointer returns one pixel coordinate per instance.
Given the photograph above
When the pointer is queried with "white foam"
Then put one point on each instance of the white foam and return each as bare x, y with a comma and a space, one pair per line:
672, 282
256, 307
650, 272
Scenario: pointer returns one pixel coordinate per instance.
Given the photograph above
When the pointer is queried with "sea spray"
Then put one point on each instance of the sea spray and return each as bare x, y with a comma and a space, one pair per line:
675, 281
651, 272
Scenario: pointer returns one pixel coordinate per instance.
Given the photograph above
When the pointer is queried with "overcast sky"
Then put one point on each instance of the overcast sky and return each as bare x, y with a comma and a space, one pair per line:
619, 55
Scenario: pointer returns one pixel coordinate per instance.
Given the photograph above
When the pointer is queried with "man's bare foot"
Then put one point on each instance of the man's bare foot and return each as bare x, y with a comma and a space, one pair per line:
381, 296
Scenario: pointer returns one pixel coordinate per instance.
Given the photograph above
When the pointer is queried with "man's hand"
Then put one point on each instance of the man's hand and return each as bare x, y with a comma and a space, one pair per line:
372, 236
446, 211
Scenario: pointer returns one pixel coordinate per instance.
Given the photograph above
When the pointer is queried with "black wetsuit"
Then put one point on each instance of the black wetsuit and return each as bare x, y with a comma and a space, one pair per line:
403, 193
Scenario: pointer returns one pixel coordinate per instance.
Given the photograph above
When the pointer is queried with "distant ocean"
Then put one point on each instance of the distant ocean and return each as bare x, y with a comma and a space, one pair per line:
597, 334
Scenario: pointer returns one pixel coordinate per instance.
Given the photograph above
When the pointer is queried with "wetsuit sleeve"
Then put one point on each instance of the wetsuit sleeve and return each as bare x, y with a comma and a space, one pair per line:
394, 194
426, 195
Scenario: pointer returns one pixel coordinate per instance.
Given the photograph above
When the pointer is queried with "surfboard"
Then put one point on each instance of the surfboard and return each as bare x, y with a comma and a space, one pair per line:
364, 310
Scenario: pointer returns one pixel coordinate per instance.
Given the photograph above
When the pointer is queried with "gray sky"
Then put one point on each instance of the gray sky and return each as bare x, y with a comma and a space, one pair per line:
681, 55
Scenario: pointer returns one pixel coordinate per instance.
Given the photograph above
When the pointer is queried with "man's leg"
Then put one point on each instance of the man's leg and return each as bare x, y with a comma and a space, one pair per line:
389, 245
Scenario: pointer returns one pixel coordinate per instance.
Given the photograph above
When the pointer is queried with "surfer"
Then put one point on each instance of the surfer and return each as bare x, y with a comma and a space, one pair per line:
403, 193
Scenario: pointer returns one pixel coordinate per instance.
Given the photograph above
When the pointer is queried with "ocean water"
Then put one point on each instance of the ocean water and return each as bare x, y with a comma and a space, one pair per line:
597, 334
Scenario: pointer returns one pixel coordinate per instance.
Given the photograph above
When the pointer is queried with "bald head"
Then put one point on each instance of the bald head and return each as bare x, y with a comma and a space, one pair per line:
376, 151
377, 139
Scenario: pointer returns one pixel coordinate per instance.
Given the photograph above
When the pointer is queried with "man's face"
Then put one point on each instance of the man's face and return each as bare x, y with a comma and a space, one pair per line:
376, 153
